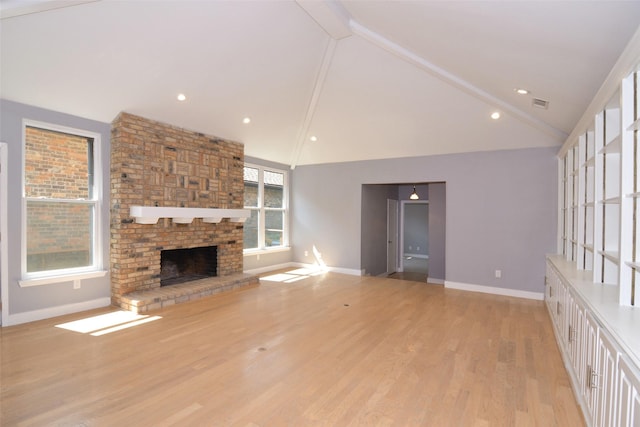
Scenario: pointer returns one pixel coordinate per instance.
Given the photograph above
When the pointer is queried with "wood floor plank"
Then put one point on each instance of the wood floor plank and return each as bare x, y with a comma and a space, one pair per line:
324, 350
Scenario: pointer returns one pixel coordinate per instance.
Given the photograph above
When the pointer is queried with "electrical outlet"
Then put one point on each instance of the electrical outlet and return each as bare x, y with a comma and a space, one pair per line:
410, 248
498, 274
306, 253
76, 284
418, 248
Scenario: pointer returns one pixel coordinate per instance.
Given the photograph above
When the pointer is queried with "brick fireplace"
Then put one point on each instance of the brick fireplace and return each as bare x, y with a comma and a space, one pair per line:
156, 164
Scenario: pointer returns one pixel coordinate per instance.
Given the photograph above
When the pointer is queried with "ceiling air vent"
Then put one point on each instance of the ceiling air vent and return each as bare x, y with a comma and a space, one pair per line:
540, 103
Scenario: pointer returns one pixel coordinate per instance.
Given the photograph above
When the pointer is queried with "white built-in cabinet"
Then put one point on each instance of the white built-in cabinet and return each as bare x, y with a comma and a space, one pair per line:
593, 283
603, 368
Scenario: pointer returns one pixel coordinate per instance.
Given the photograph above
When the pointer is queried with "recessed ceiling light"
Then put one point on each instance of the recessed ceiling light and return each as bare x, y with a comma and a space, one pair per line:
313, 138
181, 97
495, 115
521, 91
246, 120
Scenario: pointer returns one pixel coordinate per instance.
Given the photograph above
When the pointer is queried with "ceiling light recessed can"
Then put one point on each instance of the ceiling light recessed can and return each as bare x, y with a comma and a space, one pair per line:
521, 91
182, 97
246, 120
313, 138
495, 115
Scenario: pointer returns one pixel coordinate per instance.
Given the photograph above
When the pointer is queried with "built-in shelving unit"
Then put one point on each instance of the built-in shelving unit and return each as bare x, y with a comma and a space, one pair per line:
630, 191
599, 195
586, 199
593, 288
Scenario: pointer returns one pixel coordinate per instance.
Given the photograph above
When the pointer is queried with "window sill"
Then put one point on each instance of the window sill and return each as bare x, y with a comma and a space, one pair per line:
250, 252
24, 283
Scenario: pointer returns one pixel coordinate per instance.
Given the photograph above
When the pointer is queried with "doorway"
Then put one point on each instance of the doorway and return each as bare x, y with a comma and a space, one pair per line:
377, 218
414, 237
392, 236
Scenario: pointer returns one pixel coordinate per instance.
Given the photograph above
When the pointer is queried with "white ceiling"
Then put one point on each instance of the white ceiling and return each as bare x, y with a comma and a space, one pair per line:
397, 79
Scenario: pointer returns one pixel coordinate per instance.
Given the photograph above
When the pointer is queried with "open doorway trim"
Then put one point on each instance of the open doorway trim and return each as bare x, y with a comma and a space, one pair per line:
4, 246
401, 255
392, 236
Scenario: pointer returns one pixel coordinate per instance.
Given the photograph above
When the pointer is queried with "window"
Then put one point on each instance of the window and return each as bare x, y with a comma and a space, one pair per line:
61, 200
265, 194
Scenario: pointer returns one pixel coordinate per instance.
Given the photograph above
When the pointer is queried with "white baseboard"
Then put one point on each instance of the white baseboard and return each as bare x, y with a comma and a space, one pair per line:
492, 290
350, 271
270, 268
46, 313
435, 281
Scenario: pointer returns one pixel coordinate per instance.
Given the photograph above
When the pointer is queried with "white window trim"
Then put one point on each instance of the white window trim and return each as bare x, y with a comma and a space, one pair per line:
261, 217
69, 274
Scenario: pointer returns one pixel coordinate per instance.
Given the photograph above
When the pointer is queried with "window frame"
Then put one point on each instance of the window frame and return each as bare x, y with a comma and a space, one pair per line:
262, 210
96, 201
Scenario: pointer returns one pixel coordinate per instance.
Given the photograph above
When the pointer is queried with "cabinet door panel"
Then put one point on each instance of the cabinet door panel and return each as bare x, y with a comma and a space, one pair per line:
576, 337
589, 389
628, 407
607, 371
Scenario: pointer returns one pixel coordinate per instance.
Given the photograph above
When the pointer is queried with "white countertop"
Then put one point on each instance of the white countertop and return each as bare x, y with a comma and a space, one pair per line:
622, 322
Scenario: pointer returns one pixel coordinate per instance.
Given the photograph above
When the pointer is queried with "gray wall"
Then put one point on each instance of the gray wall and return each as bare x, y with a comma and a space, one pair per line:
374, 227
265, 259
437, 230
43, 297
500, 211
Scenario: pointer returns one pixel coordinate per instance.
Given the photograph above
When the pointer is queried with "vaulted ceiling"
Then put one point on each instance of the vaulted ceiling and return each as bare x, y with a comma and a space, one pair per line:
368, 79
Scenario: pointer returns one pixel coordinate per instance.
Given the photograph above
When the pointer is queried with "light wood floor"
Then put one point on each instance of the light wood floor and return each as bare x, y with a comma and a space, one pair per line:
329, 350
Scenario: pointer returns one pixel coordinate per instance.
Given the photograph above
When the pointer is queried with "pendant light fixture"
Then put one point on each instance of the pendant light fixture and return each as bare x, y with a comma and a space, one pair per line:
414, 195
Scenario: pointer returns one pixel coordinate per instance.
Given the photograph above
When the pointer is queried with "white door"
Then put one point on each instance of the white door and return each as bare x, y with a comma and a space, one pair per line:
392, 236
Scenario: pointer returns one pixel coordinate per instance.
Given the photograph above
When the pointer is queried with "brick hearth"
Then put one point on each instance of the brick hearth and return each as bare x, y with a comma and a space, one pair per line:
153, 299
155, 164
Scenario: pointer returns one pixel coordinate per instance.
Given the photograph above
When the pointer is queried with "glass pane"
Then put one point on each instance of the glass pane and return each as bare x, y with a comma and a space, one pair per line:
273, 189
251, 187
59, 235
250, 231
57, 165
250, 195
274, 224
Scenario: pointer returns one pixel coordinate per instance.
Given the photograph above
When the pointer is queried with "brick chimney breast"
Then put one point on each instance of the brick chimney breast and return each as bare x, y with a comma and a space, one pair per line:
157, 164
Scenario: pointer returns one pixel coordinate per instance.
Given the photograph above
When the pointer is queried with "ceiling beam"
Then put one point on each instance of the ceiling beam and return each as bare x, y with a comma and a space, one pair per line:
12, 8
453, 80
303, 132
330, 15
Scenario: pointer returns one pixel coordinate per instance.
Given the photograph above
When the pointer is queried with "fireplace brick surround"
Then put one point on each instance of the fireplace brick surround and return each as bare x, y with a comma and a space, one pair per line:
156, 164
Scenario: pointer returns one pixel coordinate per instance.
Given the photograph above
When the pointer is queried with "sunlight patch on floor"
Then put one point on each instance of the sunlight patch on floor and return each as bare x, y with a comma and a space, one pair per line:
294, 275
106, 323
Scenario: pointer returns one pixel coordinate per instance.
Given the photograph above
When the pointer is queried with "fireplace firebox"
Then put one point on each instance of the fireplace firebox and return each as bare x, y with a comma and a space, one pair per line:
185, 265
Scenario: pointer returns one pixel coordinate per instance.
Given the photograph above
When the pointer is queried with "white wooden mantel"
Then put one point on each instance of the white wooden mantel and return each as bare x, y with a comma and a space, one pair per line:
151, 214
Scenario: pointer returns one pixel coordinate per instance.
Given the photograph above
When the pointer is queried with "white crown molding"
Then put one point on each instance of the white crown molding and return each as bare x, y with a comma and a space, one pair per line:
13, 8
453, 80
